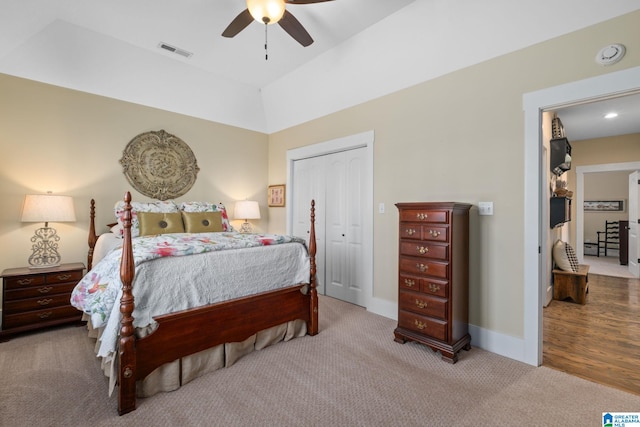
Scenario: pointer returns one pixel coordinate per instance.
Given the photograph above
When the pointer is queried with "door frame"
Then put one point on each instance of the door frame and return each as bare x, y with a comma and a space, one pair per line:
534, 103
361, 140
580, 172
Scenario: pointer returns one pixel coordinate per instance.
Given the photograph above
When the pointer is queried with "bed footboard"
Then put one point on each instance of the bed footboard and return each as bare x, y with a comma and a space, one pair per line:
181, 334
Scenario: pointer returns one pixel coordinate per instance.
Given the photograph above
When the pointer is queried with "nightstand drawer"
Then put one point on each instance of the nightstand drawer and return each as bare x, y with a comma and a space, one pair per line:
62, 277
43, 290
21, 282
40, 303
40, 316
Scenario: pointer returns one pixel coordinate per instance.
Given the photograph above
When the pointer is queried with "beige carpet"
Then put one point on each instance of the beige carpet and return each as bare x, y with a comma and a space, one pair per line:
351, 374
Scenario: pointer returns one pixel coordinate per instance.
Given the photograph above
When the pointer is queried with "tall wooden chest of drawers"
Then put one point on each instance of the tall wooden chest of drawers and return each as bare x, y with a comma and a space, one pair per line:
39, 297
433, 279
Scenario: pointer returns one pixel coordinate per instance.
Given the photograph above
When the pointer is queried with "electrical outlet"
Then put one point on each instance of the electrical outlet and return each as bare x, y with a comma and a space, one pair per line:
485, 208
381, 208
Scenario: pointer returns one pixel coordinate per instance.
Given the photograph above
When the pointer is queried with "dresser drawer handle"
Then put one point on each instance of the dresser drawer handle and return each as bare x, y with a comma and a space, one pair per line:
45, 301
434, 233
422, 250
422, 267
410, 283
64, 276
421, 304
23, 282
410, 231
45, 315
433, 287
420, 325
45, 289
422, 216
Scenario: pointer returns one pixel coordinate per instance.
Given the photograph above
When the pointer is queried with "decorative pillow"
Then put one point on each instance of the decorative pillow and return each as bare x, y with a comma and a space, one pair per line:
202, 222
152, 223
208, 207
564, 256
159, 206
117, 230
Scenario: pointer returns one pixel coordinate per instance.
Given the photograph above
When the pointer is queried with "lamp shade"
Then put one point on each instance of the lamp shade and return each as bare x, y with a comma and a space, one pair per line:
266, 11
247, 209
48, 208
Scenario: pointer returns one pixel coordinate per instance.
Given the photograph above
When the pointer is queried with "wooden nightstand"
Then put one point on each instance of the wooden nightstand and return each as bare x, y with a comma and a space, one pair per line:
35, 298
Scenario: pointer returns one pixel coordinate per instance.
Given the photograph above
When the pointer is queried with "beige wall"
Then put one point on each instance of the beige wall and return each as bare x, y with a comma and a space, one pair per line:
71, 143
460, 138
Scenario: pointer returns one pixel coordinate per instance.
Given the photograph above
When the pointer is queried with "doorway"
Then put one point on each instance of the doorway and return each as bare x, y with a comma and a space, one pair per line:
614, 83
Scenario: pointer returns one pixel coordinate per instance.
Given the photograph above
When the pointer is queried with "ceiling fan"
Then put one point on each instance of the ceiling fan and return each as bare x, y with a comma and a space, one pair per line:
271, 12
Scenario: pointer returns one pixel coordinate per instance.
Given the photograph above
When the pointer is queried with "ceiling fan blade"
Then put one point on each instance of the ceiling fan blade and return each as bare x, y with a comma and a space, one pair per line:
295, 29
305, 1
238, 24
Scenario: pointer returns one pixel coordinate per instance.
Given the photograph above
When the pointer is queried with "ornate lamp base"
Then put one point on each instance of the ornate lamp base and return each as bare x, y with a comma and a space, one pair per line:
246, 228
45, 249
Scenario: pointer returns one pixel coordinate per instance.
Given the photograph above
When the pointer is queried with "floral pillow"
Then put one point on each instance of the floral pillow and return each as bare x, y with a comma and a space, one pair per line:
166, 206
208, 207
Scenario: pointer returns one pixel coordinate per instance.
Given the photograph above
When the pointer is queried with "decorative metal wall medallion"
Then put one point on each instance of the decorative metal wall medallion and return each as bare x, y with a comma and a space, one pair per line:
159, 165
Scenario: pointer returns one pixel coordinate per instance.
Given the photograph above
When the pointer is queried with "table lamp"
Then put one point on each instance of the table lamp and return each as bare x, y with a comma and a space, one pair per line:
247, 209
46, 208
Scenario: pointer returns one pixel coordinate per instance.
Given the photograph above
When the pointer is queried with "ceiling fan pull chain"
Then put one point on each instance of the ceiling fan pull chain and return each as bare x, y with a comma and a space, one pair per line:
266, 52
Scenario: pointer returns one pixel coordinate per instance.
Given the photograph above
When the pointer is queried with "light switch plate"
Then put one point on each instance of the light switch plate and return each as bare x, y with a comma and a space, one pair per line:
485, 208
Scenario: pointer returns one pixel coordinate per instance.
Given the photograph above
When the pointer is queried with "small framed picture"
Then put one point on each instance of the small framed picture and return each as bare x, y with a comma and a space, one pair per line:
275, 195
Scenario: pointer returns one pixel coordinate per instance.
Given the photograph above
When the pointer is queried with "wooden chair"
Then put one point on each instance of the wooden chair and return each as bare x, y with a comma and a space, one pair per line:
609, 238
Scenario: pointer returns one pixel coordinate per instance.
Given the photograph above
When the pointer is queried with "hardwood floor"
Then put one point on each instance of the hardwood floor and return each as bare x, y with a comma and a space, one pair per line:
598, 341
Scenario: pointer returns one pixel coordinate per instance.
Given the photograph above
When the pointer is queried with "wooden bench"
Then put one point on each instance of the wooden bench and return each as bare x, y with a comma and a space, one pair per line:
567, 284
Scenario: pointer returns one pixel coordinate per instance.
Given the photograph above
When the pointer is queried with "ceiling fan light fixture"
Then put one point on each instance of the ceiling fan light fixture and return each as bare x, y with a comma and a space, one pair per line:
266, 11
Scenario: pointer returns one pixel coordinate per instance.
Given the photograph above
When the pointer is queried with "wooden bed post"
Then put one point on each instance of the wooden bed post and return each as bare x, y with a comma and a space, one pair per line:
127, 351
92, 234
313, 324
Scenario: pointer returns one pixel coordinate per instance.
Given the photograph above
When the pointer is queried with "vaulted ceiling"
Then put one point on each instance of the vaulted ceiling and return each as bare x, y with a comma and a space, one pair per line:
363, 49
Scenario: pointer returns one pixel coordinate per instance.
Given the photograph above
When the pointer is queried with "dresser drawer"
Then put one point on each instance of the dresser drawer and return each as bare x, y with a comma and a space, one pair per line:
39, 291
40, 316
424, 249
422, 266
423, 215
423, 325
42, 302
22, 282
414, 231
69, 276
435, 287
423, 304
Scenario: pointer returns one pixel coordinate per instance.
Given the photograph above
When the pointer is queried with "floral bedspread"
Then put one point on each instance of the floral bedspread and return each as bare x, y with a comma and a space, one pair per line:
98, 291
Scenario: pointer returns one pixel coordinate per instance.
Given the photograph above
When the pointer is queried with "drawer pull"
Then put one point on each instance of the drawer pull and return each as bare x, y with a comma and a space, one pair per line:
421, 304
434, 233
422, 267
422, 216
410, 283
45, 301
45, 289
23, 282
422, 250
45, 315
434, 287
410, 231
64, 276
420, 325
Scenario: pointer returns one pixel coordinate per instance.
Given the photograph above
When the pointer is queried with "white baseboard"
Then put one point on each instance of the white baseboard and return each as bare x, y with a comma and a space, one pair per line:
495, 342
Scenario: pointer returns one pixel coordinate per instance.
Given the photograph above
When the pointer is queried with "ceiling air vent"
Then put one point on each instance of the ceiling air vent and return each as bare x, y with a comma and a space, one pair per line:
175, 50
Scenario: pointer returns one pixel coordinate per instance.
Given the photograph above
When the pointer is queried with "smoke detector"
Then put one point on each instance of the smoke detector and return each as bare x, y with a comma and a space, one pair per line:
611, 54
